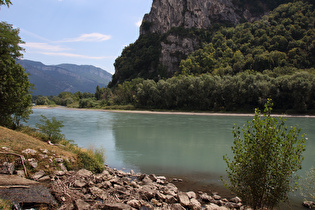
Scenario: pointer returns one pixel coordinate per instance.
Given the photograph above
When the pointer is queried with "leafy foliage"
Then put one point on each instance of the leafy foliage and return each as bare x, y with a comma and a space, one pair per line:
14, 85
51, 128
138, 59
5, 2
266, 155
284, 38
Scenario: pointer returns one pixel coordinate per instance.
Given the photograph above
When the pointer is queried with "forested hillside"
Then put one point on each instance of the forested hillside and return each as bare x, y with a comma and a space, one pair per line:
236, 70
284, 38
240, 68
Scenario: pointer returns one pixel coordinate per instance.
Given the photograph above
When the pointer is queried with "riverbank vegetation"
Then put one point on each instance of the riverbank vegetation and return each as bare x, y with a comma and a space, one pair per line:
266, 156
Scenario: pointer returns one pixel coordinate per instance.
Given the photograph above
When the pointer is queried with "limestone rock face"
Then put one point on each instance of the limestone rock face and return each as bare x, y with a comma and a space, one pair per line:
198, 14
166, 14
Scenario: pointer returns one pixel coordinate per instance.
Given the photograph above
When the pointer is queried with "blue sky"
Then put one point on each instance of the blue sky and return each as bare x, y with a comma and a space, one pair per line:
83, 32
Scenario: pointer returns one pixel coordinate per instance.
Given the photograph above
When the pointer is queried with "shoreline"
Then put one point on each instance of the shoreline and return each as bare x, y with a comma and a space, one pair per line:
175, 112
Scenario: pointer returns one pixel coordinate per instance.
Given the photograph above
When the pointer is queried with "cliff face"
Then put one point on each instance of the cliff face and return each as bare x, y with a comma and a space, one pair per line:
183, 25
188, 14
201, 14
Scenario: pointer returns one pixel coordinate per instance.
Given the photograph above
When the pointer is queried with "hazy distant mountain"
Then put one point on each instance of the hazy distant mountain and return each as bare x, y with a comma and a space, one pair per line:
53, 79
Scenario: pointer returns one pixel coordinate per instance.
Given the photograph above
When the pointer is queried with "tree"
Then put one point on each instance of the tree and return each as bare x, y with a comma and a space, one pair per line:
266, 156
5, 2
51, 128
14, 84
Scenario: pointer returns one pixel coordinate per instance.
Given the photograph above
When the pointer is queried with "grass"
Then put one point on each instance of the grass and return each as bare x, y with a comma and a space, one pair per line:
28, 138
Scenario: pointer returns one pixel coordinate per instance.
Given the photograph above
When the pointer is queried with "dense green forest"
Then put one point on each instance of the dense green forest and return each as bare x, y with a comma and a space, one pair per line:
237, 70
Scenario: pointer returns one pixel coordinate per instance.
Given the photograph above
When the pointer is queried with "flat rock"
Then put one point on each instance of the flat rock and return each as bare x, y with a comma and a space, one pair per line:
84, 173
6, 180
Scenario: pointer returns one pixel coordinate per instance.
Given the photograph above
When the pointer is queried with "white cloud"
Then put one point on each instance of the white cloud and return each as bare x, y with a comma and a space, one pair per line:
77, 55
44, 46
93, 37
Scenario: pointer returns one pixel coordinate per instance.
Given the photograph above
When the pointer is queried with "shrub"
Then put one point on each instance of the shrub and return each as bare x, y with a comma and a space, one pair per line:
266, 156
51, 128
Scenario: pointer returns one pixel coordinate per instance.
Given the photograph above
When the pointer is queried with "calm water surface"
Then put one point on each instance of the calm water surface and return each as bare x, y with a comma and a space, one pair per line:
181, 145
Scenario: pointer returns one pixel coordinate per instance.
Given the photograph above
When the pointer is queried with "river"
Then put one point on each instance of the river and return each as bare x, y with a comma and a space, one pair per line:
183, 146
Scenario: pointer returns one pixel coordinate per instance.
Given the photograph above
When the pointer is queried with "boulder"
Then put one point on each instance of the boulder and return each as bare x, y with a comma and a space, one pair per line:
191, 194
194, 204
79, 183
38, 175
7, 168
84, 173
183, 199
97, 192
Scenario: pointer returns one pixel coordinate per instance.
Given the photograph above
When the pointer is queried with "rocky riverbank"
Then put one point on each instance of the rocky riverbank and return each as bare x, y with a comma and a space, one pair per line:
82, 189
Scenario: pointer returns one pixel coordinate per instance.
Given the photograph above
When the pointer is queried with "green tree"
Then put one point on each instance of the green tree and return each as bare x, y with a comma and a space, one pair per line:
266, 155
51, 128
5, 2
14, 84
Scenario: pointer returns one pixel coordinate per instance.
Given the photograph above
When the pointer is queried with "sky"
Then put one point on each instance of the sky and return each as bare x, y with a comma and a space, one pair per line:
82, 32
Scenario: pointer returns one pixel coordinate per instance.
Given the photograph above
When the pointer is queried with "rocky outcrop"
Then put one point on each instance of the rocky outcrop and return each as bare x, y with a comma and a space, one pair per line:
197, 14
201, 14
182, 27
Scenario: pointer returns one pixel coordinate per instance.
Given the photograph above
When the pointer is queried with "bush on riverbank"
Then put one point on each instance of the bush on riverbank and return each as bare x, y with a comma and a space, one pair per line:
266, 156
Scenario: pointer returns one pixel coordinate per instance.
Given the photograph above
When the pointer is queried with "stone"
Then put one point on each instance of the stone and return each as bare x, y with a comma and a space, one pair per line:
59, 160
177, 206
43, 156
5, 148
7, 168
205, 197
62, 167
84, 173
82, 205
78, 183
191, 194
29, 152
236, 200
38, 175
98, 192
20, 173
134, 203
44, 178
183, 199
153, 177
44, 151
170, 199
59, 173
33, 162
216, 197
195, 204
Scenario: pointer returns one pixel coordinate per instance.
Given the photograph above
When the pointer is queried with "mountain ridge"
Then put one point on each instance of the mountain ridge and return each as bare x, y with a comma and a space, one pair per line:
53, 79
